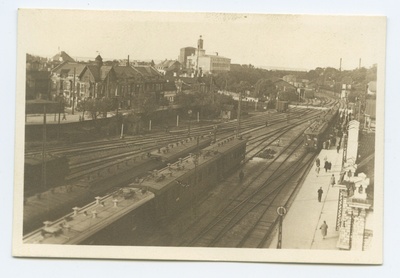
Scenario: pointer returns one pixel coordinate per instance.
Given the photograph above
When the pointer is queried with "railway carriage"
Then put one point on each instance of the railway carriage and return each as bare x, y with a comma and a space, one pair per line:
179, 185
320, 130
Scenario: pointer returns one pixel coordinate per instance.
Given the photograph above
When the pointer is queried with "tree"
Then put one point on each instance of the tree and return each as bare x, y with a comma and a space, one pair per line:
96, 107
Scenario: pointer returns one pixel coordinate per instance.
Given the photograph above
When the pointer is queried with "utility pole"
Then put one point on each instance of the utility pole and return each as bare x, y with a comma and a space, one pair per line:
340, 67
44, 149
73, 94
359, 64
238, 116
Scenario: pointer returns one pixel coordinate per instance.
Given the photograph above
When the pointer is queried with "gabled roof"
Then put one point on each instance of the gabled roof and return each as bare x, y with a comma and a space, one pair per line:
166, 64
147, 71
104, 70
95, 71
69, 68
124, 72
64, 57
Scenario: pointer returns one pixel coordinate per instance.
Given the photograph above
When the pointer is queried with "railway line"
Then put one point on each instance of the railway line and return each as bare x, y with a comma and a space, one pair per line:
249, 217
279, 127
242, 204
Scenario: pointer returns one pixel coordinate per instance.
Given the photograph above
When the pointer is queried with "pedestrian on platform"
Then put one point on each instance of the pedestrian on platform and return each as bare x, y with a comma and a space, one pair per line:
329, 144
317, 162
329, 166
349, 174
326, 165
338, 148
241, 175
320, 191
317, 170
64, 117
324, 229
333, 181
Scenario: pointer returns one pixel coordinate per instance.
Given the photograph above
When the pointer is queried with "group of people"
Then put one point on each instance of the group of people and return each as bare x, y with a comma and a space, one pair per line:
327, 165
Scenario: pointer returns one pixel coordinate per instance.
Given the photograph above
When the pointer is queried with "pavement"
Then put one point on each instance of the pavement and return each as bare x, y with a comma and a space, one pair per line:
301, 225
52, 118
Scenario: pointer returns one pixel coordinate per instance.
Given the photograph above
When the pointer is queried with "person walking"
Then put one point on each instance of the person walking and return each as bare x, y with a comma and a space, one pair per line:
326, 166
333, 180
338, 148
320, 191
324, 229
317, 170
317, 162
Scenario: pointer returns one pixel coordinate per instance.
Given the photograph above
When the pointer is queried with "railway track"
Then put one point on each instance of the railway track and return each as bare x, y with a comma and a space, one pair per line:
213, 232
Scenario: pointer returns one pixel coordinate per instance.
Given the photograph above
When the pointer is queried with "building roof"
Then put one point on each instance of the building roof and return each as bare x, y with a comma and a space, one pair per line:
166, 64
68, 68
214, 56
147, 71
95, 71
104, 70
63, 56
125, 72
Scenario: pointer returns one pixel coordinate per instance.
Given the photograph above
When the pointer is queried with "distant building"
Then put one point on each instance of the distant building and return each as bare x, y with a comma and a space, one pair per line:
95, 80
184, 53
63, 57
204, 64
169, 67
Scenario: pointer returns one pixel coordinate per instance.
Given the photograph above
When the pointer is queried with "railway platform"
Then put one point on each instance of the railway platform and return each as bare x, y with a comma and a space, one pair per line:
301, 225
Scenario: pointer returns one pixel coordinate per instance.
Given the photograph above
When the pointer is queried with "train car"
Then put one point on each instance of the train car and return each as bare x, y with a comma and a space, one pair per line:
178, 185
57, 168
320, 130
145, 203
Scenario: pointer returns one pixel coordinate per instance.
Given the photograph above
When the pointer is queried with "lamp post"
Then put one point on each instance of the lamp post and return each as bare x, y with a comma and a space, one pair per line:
281, 211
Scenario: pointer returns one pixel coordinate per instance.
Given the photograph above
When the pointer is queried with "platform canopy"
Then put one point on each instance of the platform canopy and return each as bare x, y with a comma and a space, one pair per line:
37, 106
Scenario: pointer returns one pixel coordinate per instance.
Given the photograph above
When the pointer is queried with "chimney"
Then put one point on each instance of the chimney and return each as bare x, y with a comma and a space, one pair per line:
128, 62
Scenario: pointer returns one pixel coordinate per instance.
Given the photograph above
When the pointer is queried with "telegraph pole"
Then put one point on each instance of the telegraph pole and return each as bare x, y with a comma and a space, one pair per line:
44, 148
238, 116
73, 93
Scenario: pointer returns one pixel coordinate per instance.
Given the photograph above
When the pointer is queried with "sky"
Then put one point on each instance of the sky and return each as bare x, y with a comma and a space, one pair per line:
287, 41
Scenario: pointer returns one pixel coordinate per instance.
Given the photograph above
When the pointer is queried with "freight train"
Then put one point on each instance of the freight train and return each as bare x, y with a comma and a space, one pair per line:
146, 203
320, 130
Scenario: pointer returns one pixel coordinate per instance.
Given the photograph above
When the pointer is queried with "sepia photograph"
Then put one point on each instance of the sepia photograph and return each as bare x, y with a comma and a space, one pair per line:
202, 136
